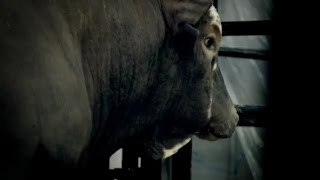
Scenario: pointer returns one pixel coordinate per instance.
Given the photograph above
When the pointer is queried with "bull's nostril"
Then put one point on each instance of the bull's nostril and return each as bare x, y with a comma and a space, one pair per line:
221, 131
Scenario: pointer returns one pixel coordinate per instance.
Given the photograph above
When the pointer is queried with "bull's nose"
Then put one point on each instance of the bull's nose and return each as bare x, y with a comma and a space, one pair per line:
222, 133
225, 129
222, 130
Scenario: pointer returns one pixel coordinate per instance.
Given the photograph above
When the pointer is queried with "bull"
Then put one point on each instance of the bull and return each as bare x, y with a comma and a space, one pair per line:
81, 79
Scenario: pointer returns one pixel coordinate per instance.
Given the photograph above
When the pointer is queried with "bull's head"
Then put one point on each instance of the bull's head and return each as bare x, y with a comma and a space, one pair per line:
222, 115
204, 107
198, 46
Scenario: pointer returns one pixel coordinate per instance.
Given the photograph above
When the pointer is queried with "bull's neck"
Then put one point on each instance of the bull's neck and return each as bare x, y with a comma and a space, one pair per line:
120, 51
120, 44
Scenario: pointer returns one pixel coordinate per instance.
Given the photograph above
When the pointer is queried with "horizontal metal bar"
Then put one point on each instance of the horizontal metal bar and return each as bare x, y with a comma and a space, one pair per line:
252, 115
245, 53
246, 28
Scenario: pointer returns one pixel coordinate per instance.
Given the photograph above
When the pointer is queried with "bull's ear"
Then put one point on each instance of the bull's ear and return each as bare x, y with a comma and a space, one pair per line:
188, 29
179, 12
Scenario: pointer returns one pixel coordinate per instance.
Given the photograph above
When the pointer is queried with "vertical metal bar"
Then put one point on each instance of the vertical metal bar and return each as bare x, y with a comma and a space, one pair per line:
181, 163
129, 164
150, 169
129, 159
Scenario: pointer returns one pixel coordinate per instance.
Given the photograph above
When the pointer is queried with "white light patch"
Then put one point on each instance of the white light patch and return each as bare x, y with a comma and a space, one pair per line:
214, 66
175, 149
139, 162
115, 161
209, 109
213, 13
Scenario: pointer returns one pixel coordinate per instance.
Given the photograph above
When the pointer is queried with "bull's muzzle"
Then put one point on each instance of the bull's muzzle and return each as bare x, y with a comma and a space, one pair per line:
221, 128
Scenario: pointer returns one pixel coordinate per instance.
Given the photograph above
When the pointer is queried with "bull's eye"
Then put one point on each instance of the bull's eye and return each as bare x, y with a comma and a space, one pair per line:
209, 42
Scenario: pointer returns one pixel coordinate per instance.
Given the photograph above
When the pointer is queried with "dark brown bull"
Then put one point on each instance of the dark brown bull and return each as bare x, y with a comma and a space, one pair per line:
81, 79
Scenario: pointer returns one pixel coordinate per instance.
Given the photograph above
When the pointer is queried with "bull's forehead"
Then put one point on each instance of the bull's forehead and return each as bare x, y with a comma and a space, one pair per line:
214, 17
